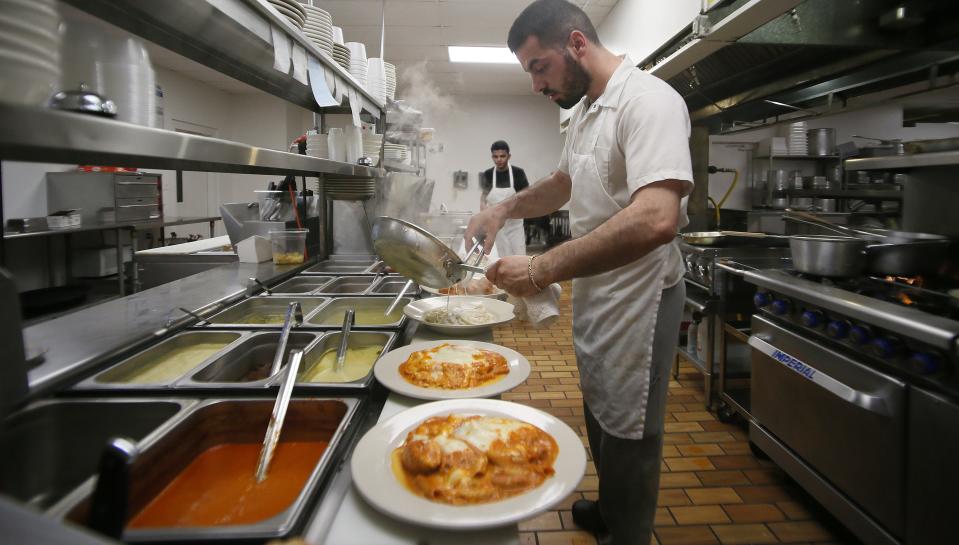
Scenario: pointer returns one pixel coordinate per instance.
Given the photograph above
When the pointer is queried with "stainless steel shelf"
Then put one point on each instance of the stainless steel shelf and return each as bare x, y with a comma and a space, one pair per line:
50, 136
883, 194
894, 162
799, 157
399, 167
230, 36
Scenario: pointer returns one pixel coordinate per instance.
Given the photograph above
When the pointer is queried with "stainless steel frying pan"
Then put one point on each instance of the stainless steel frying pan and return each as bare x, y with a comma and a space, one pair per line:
416, 254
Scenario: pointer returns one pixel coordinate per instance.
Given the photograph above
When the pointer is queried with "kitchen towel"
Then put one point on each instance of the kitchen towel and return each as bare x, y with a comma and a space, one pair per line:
540, 310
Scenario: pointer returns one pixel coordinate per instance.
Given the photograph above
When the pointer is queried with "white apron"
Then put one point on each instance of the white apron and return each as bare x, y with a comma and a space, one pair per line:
614, 313
511, 239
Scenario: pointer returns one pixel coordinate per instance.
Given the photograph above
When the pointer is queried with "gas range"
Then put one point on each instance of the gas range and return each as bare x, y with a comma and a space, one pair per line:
907, 328
700, 260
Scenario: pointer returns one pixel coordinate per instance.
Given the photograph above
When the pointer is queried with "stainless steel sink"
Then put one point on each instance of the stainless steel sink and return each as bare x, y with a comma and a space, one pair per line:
51, 447
369, 313
357, 339
301, 285
248, 363
348, 285
263, 312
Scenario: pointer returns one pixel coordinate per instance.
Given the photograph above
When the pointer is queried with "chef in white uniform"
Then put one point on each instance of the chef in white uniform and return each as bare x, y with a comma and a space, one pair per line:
626, 173
498, 184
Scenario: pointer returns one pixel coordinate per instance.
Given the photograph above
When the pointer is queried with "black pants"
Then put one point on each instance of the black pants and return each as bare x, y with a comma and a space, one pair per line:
628, 469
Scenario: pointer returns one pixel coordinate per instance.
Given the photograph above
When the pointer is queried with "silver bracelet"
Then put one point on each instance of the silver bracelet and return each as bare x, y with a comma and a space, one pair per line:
529, 270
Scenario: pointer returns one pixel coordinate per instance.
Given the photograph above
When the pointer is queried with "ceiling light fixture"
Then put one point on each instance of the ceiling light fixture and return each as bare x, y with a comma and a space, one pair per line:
497, 55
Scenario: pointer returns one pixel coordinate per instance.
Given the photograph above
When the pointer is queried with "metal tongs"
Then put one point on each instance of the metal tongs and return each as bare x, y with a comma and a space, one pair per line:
294, 313
474, 268
349, 319
279, 414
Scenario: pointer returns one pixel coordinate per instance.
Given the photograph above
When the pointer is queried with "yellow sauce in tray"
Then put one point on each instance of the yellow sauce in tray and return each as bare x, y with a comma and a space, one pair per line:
358, 363
364, 316
170, 365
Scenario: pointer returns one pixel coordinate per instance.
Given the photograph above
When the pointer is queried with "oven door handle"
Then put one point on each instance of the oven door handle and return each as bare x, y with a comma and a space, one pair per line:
868, 402
702, 308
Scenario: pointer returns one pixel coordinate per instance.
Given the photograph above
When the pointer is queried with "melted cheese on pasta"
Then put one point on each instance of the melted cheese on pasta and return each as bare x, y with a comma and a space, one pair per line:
453, 367
474, 459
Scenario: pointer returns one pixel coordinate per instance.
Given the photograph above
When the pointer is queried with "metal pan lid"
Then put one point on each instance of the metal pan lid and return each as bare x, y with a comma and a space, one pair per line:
414, 252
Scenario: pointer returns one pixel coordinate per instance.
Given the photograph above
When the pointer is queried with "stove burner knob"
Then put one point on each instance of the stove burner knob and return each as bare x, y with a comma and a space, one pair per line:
812, 318
780, 307
838, 329
925, 363
762, 299
860, 334
885, 347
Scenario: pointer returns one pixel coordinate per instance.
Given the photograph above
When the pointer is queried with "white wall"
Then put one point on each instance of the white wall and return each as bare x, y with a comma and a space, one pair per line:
639, 27
463, 138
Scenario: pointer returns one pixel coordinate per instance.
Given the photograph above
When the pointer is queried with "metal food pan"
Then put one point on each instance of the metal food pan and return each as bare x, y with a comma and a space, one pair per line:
330, 268
392, 285
156, 366
51, 447
301, 285
348, 285
357, 339
247, 365
365, 259
331, 314
244, 314
218, 422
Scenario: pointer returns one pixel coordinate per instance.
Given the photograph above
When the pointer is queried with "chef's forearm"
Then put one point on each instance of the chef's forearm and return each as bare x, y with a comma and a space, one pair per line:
635, 231
544, 197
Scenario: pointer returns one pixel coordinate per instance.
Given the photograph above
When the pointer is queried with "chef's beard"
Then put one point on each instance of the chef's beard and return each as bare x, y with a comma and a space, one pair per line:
575, 82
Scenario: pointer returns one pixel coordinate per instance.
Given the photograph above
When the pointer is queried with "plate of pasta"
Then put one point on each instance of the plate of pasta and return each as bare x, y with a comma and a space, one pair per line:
459, 314
468, 463
451, 369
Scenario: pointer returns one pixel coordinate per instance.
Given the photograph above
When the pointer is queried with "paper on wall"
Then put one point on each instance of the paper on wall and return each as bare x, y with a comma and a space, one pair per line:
281, 50
355, 107
299, 64
318, 83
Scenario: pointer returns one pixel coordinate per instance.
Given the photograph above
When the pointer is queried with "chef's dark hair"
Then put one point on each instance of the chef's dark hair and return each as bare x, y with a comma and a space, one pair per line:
499, 144
551, 21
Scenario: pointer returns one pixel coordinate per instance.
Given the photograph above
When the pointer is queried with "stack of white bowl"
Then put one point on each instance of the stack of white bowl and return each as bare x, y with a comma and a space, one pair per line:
390, 81
341, 53
292, 10
376, 79
391, 152
319, 27
797, 142
358, 64
29, 51
317, 145
336, 146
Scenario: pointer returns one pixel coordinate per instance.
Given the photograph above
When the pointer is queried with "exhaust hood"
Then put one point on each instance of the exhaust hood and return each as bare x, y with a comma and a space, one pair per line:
748, 61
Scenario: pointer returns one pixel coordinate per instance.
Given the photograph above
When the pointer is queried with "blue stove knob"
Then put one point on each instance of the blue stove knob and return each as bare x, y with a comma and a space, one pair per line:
860, 334
925, 363
780, 307
885, 347
762, 299
812, 318
838, 329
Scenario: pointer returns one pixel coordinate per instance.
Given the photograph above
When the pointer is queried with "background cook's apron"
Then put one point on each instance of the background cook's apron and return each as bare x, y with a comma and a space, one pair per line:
614, 313
511, 239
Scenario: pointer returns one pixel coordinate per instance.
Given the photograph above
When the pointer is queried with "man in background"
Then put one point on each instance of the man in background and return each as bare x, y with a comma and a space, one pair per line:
498, 184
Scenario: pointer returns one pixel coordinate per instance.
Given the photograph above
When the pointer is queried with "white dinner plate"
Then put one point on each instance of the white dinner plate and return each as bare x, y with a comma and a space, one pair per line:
373, 473
501, 310
387, 371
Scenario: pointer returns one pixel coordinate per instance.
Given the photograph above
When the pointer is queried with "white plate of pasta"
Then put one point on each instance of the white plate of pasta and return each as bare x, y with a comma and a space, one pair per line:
460, 314
468, 464
451, 369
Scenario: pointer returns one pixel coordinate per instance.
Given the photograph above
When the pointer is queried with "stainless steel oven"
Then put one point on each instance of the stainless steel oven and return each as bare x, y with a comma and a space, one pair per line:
836, 425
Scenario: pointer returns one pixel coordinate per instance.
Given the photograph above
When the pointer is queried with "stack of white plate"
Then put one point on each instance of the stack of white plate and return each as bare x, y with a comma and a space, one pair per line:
29, 51
319, 27
797, 143
317, 145
341, 54
358, 64
376, 79
292, 10
391, 152
338, 35
350, 189
390, 81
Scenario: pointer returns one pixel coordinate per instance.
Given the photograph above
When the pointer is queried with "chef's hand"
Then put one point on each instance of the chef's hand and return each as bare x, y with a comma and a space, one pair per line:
512, 274
485, 225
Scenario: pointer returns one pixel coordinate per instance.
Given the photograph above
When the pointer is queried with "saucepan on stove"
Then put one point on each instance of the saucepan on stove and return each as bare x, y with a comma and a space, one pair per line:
854, 250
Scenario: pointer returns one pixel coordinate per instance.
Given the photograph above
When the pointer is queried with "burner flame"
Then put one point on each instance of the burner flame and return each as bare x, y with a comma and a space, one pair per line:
905, 299
916, 281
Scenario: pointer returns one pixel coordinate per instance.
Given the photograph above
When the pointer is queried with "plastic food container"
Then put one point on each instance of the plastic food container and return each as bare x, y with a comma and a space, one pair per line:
289, 247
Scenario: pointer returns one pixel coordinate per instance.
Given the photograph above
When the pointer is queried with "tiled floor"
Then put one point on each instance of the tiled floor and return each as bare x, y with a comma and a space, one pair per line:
712, 491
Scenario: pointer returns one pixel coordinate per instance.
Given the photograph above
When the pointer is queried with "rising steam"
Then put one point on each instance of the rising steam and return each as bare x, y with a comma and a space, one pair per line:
420, 92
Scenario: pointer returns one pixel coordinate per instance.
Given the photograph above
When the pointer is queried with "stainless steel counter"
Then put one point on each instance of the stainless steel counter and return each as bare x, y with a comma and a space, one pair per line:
77, 342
